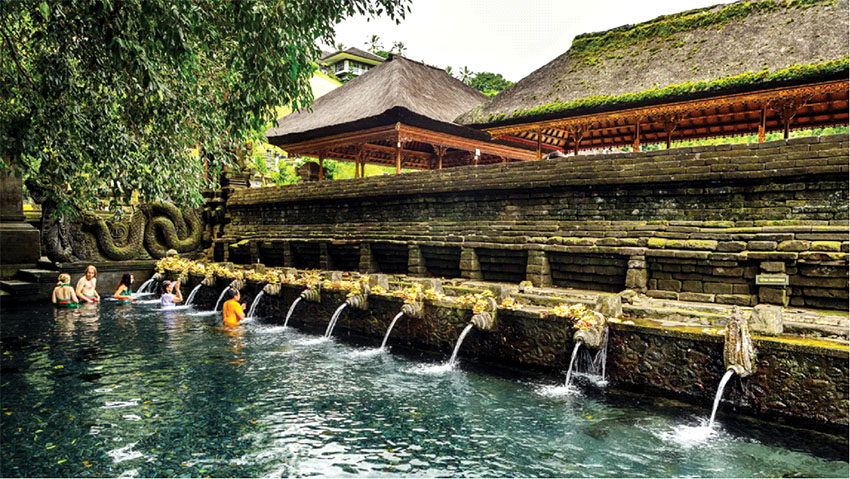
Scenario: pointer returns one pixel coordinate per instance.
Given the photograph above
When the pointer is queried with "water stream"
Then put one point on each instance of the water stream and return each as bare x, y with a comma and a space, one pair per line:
144, 287
254, 305
192, 294
729, 373
463, 334
334, 319
291, 309
572, 361
389, 330
220, 297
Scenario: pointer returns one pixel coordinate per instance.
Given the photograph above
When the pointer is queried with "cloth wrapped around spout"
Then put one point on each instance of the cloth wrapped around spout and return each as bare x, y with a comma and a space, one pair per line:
595, 335
738, 351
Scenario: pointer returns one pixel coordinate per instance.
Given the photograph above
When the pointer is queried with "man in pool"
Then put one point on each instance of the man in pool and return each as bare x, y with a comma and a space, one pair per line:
232, 312
87, 286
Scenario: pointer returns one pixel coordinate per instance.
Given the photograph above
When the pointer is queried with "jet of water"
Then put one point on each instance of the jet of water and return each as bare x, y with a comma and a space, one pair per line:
220, 297
144, 287
192, 294
291, 309
726, 377
253, 308
572, 360
334, 319
389, 330
460, 338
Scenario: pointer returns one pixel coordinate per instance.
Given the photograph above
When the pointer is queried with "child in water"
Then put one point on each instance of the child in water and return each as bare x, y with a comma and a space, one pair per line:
124, 291
232, 312
170, 294
63, 294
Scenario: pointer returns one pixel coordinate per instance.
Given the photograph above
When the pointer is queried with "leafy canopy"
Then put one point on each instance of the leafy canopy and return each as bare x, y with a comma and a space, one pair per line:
101, 98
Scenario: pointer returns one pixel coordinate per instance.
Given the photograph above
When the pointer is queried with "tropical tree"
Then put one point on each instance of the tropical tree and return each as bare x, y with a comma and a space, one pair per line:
488, 83
375, 44
100, 99
399, 48
465, 75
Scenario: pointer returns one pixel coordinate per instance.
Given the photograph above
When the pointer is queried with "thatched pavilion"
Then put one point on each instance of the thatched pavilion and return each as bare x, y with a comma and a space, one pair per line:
400, 114
743, 68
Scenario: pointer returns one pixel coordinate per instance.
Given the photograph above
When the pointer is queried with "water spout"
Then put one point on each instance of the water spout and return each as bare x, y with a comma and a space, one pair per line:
389, 329
463, 334
334, 319
144, 287
254, 305
572, 360
192, 294
726, 377
220, 297
291, 309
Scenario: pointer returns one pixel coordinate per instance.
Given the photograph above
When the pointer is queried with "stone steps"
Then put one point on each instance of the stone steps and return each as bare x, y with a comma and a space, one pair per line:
17, 287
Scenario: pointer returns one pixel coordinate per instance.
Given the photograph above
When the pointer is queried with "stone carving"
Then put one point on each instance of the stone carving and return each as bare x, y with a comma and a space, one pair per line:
486, 320
738, 351
594, 336
208, 281
150, 232
360, 300
414, 310
312, 295
237, 284
766, 319
272, 289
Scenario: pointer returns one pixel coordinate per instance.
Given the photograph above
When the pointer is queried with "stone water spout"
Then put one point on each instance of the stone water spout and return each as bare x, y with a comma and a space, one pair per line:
272, 289
237, 284
593, 338
738, 353
360, 300
486, 320
208, 281
312, 295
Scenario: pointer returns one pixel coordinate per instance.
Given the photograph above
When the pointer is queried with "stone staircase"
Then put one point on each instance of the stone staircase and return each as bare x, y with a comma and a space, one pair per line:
30, 282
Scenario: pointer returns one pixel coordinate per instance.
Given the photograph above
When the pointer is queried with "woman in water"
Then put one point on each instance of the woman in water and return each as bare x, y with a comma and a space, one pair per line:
63, 293
232, 312
170, 294
124, 291
87, 286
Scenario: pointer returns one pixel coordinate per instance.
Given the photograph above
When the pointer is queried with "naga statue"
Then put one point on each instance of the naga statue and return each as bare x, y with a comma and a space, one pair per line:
152, 230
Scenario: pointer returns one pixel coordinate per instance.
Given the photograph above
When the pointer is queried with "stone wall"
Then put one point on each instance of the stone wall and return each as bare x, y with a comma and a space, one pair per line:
693, 224
803, 380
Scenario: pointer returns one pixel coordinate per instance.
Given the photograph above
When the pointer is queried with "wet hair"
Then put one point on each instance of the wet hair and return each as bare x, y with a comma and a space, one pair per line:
91, 266
164, 286
125, 279
231, 293
64, 278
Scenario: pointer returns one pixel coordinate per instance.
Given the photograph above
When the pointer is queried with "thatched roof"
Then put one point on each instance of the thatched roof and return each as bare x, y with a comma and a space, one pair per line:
354, 51
706, 45
398, 90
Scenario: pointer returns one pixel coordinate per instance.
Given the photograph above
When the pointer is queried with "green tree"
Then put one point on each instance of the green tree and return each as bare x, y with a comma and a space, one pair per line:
99, 99
489, 83
375, 44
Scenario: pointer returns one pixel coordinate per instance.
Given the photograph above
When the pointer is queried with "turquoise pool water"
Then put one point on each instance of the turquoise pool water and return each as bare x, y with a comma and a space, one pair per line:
133, 391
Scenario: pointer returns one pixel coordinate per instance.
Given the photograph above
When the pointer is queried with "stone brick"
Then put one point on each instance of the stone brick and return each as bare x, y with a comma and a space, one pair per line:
692, 286
655, 293
771, 295
670, 285
737, 299
731, 272
761, 245
732, 246
636, 279
773, 266
718, 288
826, 245
696, 297
794, 245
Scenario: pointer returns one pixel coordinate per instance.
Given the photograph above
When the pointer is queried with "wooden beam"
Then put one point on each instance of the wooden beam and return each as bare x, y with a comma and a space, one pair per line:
461, 143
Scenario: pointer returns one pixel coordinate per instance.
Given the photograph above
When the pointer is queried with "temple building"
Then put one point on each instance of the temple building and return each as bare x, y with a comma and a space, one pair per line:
736, 69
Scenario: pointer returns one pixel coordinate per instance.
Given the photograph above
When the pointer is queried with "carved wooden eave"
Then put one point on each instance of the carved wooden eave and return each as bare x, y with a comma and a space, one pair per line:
805, 106
419, 148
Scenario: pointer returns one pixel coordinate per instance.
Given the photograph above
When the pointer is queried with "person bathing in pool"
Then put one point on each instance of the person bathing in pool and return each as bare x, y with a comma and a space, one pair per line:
87, 286
124, 291
170, 294
232, 312
63, 294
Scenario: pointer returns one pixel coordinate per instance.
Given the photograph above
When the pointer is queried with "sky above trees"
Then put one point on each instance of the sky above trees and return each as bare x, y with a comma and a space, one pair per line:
509, 37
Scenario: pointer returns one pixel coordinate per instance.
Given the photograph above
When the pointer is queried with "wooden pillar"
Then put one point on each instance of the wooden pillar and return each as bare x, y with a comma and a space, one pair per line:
763, 124
539, 146
504, 159
357, 159
398, 157
786, 123
363, 168
439, 150
322, 166
636, 144
670, 124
